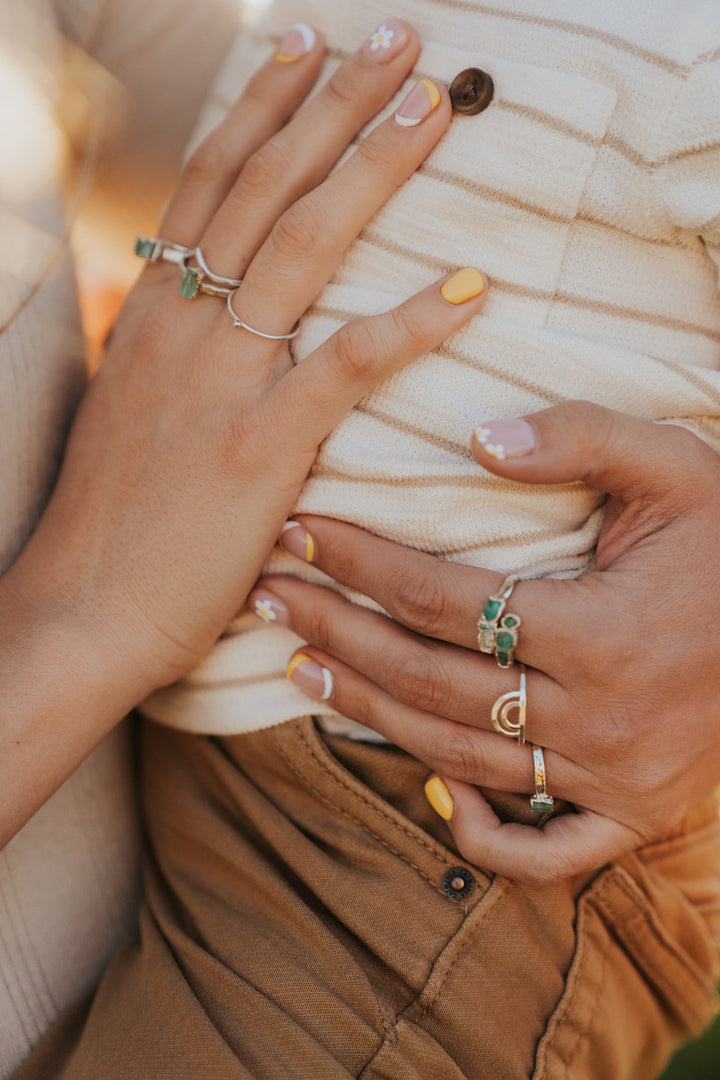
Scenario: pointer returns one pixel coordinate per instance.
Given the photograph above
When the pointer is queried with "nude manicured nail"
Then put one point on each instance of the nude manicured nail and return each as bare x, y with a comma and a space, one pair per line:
506, 439
386, 42
439, 797
418, 104
298, 42
463, 286
297, 541
269, 608
310, 677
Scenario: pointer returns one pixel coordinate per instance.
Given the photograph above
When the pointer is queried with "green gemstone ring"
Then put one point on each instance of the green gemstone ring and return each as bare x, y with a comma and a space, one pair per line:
154, 248
497, 633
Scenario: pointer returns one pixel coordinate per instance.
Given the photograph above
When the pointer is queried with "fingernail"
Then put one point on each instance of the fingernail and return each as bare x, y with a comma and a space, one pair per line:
297, 541
419, 103
269, 608
386, 42
298, 42
463, 286
506, 439
312, 678
439, 798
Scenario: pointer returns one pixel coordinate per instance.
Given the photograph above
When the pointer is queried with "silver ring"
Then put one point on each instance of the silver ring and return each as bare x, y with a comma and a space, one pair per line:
217, 278
154, 248
240, 325
194, 282
540, 802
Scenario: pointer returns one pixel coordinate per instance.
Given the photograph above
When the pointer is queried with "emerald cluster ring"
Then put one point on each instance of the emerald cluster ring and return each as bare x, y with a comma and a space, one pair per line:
497, 632
155, 248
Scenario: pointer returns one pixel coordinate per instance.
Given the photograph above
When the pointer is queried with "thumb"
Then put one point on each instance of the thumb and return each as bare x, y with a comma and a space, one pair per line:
607, 450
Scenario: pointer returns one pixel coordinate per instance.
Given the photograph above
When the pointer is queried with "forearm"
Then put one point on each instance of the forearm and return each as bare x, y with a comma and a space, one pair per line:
65, 683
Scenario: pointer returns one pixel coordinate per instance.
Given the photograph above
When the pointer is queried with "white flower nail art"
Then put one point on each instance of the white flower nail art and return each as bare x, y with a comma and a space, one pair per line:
382, 38
496, 450
264, 611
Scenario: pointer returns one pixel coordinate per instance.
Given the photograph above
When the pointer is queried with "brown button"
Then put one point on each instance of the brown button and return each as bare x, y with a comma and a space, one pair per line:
457, 882
471, 91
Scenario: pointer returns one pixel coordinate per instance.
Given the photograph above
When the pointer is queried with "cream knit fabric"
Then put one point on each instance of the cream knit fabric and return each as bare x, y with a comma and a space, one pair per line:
589, 192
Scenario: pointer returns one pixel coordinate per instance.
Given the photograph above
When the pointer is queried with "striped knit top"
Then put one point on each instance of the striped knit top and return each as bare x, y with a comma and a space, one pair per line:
589, 192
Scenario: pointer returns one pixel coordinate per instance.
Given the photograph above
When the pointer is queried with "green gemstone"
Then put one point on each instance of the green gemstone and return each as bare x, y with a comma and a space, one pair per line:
503, 659
491, 609
145, 247
510, 621
190, 283
541, 804
504, 641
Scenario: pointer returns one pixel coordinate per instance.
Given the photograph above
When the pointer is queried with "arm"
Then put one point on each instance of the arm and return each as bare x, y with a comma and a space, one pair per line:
175, 482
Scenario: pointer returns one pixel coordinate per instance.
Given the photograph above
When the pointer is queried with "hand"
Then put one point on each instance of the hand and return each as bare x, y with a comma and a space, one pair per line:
194, 438
624, 679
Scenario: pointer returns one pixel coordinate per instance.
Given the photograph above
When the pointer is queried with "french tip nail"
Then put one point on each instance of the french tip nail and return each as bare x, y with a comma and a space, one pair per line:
437, 794
298, 541
298, 42
312, 678
418, 103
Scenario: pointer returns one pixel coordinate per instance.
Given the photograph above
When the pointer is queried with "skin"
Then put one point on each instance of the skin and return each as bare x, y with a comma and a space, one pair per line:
175, 484
623, 679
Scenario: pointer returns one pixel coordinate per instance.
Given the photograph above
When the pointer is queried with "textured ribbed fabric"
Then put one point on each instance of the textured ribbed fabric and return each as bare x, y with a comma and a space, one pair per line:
589, 192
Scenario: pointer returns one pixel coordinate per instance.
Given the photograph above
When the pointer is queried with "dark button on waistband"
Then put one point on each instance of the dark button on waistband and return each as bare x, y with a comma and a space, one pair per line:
457, 882
471, 91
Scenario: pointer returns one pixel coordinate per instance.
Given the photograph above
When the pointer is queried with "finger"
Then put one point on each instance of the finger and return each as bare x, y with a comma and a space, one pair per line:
309, 240
572, 843
328, 382
455, 751
429, 595
607, 450
427, 676
270, 98
301, 154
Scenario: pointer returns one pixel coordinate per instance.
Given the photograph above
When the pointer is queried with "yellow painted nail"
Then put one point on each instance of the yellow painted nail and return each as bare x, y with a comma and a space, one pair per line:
463, 286
298, 658
439, 798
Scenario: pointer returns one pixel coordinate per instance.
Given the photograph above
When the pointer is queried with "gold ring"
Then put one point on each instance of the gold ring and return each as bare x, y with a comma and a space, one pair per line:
500, 715
497, 633
195, 281
540, 802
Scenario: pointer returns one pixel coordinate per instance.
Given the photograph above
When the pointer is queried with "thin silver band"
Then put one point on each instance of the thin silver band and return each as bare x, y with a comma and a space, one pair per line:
217, 278
237, 322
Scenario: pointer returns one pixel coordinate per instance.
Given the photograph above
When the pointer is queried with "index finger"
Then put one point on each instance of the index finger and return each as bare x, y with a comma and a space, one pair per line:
564, 623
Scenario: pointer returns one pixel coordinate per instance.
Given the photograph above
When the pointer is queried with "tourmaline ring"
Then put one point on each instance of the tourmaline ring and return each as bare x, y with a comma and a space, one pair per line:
154, 248
540, 802
500, 715
196, 281
497, 633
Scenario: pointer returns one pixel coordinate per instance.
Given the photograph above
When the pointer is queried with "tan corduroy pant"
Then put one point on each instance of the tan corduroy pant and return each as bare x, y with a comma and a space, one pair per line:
301, 922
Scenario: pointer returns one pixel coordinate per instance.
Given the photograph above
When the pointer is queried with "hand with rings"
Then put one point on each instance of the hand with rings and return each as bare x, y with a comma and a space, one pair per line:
194, 438
621, 664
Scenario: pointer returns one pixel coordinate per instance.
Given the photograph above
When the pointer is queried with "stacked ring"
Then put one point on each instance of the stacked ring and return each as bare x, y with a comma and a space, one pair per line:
497, 633
195, 281
154, 248
540, 802
217, 279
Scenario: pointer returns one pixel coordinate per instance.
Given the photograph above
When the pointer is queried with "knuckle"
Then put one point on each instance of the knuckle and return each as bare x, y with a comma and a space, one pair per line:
457, 755
297, 234
355, 351
341, 90
418, 601
263, 171
408, 329
206, 165
378, 153
317, 629
419, 680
